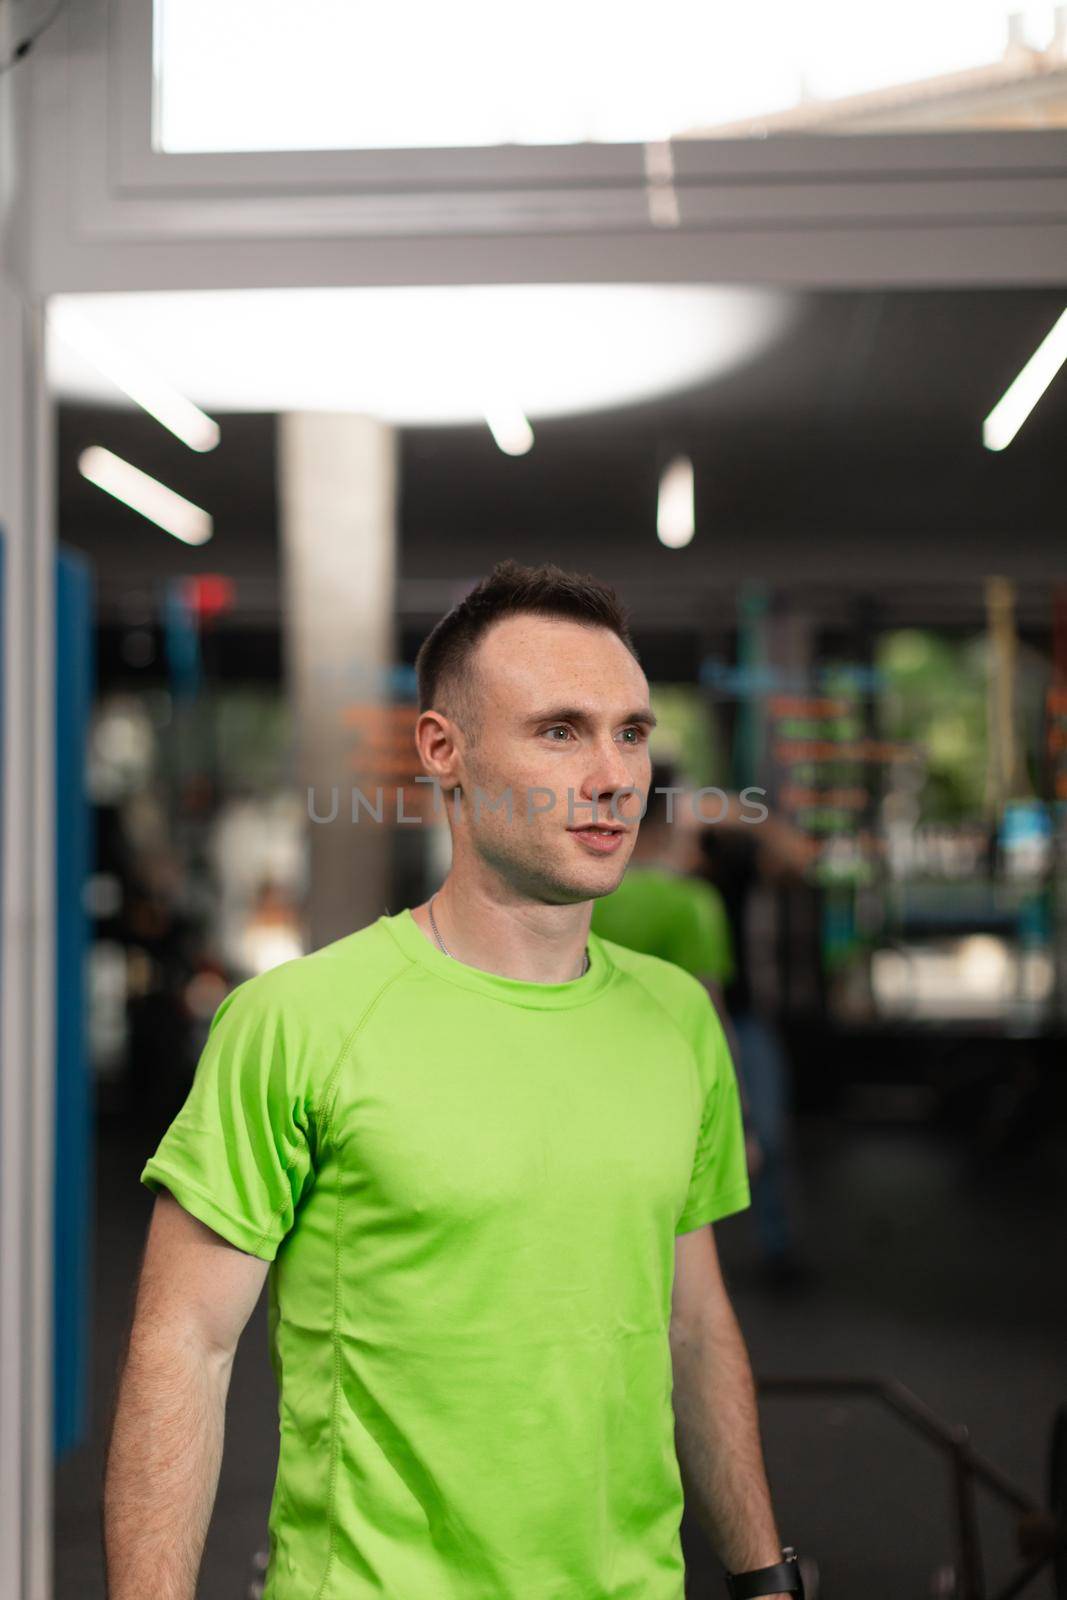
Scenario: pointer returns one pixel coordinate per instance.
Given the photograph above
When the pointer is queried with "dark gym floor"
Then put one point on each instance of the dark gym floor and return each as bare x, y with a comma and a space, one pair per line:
933, 1267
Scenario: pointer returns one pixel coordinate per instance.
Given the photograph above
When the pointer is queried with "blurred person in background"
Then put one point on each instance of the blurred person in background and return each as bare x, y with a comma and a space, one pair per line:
658, 907
735, 854
162, 936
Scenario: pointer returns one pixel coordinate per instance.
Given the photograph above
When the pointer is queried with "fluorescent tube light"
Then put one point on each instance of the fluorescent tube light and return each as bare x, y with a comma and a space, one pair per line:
510, 429
1021, 396
146, 495
675, 517
152, 393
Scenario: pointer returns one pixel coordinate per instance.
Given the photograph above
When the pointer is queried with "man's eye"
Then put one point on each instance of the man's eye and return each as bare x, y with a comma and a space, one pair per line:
638, 732
560, 728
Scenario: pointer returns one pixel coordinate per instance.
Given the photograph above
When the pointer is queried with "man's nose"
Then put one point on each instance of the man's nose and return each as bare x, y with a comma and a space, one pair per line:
609, 774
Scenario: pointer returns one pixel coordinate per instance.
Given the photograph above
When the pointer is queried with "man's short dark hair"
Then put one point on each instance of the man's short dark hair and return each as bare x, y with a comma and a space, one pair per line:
444, 664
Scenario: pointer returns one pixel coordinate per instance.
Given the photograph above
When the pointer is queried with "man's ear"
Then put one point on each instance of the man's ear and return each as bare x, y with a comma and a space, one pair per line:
437, 743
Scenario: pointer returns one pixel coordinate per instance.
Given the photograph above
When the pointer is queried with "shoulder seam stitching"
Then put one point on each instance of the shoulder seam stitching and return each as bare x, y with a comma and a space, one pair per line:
673, 1020
331, 1082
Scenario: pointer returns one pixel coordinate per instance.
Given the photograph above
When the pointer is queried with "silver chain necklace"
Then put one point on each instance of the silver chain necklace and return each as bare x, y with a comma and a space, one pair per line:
441, 942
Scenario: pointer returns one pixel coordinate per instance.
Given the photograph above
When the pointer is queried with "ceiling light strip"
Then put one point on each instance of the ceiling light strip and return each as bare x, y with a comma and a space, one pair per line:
151, 392
1021, 396
511, 430
675, 509
145, 495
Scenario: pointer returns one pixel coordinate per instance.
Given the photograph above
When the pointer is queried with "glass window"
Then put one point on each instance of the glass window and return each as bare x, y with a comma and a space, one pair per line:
236, 75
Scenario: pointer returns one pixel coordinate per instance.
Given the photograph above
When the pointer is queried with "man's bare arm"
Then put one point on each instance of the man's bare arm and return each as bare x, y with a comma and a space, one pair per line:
716, 1421
195, 1295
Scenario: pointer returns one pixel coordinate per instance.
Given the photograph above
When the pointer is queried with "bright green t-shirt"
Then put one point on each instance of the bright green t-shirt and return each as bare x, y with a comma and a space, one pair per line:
469, 1187
666, 914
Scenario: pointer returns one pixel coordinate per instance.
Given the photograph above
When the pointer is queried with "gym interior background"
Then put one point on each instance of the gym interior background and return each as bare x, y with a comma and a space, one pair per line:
277, 395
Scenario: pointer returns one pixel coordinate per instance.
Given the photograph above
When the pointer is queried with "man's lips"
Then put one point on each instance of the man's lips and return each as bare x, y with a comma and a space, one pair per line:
601, 838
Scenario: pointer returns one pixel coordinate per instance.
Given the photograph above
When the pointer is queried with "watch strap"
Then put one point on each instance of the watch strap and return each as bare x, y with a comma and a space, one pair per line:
781, 1578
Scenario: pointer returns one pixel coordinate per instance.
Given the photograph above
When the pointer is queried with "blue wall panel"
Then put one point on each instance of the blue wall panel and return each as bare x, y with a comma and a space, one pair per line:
75, 1185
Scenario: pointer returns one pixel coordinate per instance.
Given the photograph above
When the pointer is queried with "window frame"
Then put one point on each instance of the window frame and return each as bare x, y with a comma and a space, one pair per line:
807, 210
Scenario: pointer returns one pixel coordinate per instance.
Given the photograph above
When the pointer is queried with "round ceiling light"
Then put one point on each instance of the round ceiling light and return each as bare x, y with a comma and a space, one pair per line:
425, 355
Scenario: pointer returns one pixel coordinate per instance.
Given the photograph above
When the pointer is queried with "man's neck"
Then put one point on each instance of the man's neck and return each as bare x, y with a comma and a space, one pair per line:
523, 939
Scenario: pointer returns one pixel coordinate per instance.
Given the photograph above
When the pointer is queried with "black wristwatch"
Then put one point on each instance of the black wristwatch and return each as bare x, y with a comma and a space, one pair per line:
783, 1578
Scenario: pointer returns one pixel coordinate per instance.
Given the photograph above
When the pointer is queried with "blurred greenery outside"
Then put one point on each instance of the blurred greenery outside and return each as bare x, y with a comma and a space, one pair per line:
936, 698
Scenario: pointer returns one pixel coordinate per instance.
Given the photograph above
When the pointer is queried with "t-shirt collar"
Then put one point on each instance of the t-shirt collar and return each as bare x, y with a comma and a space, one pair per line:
513, 991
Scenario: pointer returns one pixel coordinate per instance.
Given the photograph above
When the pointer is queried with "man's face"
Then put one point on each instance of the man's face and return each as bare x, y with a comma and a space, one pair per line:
562, 707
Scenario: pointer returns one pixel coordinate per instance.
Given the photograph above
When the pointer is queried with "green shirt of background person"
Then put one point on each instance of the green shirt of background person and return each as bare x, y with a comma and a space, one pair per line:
660, 910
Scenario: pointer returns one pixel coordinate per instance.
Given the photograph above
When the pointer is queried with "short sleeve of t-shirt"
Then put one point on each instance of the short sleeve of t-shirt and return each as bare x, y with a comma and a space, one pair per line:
239, 1153
700, 939
719, 1184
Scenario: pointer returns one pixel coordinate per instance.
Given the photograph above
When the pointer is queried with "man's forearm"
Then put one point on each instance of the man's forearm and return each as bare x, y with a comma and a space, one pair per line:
718, 1443
162, 1467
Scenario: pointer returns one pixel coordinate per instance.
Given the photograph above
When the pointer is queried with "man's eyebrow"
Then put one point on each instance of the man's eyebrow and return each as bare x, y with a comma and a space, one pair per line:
643, 714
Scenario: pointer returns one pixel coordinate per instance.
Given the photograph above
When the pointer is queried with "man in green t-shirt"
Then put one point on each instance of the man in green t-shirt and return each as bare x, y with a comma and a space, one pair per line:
475, 1149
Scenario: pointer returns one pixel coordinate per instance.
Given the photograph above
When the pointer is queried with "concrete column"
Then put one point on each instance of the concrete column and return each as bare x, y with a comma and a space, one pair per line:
337, 501
27, 950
